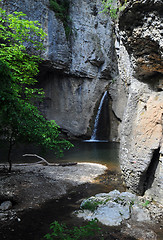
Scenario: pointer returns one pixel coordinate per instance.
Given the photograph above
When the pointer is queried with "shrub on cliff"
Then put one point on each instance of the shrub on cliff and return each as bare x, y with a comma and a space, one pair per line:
61, 9
113, 7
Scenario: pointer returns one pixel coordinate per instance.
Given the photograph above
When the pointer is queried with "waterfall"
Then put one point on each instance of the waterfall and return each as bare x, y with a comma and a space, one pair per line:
94, 136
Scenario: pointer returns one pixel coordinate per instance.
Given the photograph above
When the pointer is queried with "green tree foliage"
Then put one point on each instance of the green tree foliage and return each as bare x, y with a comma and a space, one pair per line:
15, 32
20, 120
61, 9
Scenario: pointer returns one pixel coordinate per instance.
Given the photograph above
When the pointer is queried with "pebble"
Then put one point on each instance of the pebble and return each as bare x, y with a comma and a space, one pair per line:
6, 205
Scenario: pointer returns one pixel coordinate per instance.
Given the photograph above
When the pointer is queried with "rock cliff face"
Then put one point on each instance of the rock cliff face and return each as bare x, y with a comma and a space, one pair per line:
75, 73
140, 29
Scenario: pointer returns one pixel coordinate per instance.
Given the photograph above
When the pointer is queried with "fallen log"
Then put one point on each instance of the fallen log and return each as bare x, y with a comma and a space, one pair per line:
66, 164
35, 155
44, 161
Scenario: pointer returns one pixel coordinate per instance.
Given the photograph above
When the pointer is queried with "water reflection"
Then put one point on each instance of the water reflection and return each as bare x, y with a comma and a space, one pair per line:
91, 151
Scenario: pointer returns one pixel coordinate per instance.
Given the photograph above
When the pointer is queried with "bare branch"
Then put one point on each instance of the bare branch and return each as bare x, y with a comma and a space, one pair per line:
43, 160
35, 155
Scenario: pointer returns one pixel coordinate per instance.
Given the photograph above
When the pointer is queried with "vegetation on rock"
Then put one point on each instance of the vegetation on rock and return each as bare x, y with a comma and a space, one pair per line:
113, 7
61, 9
20, 120
91, 205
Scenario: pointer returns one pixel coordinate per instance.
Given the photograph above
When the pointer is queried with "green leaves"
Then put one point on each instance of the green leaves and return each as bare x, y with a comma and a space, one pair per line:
24, 119
20, 120
111, 7
91, 205
15, 33
62, 232
24, 30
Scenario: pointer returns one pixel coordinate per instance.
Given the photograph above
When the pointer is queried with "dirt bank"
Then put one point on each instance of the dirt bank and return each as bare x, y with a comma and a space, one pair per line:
31, 186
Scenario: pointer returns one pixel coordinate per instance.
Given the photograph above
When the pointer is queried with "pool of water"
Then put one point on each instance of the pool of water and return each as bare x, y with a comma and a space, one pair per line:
83, 151
99, 152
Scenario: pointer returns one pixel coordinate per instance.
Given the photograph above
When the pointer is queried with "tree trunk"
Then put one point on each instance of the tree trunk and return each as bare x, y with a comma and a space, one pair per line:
11, 143
9, 155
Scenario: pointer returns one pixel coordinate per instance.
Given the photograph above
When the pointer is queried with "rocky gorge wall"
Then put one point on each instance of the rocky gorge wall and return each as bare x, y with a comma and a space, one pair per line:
75, 72
141, 43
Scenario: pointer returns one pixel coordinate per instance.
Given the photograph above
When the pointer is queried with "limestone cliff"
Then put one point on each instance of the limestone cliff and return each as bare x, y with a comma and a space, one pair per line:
140, 31
75, 72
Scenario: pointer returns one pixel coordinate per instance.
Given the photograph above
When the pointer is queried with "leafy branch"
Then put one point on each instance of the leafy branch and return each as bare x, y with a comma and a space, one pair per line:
62, 232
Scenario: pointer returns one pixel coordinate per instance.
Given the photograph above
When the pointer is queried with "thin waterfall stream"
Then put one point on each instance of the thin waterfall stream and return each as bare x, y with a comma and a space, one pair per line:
98, 135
